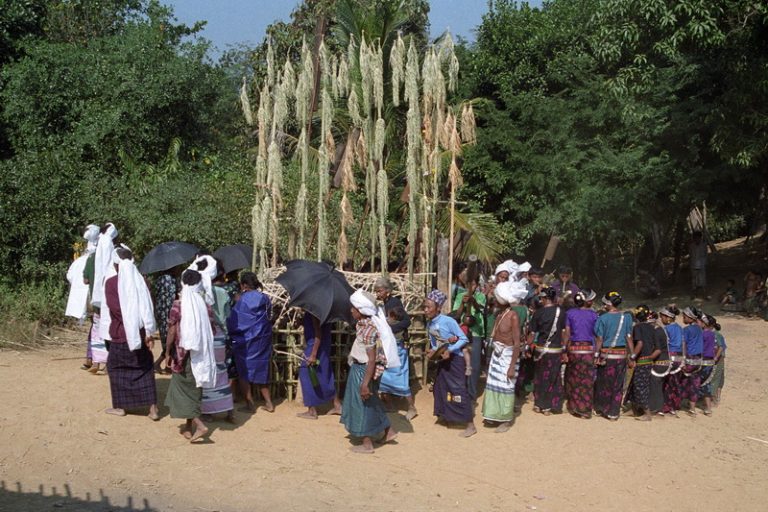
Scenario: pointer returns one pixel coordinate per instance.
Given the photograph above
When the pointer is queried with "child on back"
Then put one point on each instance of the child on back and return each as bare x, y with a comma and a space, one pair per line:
467, 321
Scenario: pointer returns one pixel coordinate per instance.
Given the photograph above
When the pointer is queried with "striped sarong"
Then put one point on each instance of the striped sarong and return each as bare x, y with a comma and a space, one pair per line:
218, 398
96, 346
499, 399
131, 376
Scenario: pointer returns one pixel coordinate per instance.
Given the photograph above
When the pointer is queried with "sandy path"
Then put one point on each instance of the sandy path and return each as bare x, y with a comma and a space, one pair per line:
53, 434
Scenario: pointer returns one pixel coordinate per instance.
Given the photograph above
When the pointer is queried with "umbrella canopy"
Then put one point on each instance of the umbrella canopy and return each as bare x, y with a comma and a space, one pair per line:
167, 255
318, 288
234, 257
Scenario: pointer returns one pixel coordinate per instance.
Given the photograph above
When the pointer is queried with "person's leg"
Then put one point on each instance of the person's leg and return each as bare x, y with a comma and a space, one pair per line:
310, 414
200, 430
412, 412
268, 405
154, 415
186, 430
366, 447
470, 430
476, 355
336, 406
247, 393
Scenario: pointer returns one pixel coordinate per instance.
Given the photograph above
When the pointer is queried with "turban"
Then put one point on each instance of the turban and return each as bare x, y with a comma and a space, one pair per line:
92, 236
510, 292
437, 297
366, 305
102, 262
208, 274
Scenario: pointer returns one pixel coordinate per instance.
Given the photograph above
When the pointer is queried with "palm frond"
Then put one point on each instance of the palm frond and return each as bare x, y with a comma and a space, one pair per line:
478, 232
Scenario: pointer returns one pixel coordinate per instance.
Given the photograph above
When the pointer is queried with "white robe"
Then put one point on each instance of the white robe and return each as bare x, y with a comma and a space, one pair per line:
196, 335
77, 303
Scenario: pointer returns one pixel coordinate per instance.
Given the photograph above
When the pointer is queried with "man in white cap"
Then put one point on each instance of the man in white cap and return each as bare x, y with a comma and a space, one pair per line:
77, 302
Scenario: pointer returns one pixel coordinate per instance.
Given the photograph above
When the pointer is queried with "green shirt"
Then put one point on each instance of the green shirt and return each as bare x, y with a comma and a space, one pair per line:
478, 329
89, 272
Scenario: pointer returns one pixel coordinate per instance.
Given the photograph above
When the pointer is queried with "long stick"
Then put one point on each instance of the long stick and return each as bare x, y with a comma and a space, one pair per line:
450, 246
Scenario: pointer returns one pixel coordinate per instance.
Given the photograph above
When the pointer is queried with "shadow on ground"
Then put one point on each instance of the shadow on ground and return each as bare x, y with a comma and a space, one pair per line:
15, 498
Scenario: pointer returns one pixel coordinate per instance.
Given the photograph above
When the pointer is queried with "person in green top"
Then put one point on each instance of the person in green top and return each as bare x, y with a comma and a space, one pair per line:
472, 302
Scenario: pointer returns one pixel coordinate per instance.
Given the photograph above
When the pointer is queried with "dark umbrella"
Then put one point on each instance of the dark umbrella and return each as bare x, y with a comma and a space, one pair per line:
318, 288
234, 257
167, 255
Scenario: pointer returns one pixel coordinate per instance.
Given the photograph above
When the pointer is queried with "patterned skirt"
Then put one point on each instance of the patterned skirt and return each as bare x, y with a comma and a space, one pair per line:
97, 349
219, 398
691, 383
705, 377
362, 418
718, 374
580, 381
524, 379
639, 392
547, 384
609, 387
453, 402
499, 397
131, 376
673, 387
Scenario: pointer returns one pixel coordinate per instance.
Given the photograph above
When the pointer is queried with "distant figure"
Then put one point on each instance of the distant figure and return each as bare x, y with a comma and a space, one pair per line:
730, 295
698, 265
564, 287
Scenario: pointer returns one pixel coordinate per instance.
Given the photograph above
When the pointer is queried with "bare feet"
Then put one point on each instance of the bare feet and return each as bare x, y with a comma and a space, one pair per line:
307, 415
644, 417
336, 411
115, 412
390, 434
412, 413
200, 432
269, 407
153, 414
469, 431
184, 431
361, 449
504, 427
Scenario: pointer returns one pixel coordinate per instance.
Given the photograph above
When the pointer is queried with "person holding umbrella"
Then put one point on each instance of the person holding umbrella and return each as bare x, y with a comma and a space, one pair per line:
363, 414
321, 388
250, 328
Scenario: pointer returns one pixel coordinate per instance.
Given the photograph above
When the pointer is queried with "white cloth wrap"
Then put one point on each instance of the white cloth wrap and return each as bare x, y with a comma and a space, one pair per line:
360, 300
102, 263
135, 303
92, 236
77, 302
510, 292
196, 335
208, 275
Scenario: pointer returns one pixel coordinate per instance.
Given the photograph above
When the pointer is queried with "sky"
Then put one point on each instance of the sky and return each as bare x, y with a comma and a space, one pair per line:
231, 22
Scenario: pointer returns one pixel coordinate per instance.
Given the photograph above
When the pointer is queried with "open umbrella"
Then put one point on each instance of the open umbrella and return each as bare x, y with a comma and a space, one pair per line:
318, 288
234, 257
167, 255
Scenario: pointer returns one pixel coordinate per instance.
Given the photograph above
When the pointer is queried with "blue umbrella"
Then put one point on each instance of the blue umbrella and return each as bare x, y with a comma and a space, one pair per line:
167, 255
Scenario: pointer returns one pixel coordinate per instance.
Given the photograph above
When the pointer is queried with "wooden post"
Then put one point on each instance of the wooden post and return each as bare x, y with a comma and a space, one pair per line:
443, 271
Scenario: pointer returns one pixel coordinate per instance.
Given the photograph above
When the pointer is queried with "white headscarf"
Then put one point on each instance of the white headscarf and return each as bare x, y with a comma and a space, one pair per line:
510, 292
524, 267
208, 274
135, 302
102, 263
367, 307
92, 236
196, 335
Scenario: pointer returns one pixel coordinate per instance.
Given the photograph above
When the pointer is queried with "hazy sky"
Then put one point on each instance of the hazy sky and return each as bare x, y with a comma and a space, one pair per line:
245, 21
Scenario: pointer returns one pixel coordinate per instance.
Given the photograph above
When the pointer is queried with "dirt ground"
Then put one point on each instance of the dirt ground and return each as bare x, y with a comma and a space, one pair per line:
58, 450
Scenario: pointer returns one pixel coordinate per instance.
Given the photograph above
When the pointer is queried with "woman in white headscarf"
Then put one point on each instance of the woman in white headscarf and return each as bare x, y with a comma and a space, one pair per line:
77, 302
373, 350
128, 321
97, 266
499, 398
190, 339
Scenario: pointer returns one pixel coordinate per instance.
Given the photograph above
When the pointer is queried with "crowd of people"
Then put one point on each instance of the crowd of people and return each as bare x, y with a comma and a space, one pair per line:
524, 335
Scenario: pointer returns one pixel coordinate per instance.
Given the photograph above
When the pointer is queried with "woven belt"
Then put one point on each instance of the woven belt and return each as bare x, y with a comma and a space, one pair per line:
614, 356
644, 361
584, 352
662, 363
694, 362
548, 350
708, 362
676, 358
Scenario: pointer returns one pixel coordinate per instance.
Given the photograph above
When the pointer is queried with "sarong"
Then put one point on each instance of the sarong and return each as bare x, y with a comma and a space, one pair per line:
691, 382
218, 398
639, 392
362, 418
184, 397
658, 376
609, 387
718, 377
499, 397
252, 358
97, 349
453, 402
580, 381
705, 389
673, 393
476, 360
131, 376
547, 383
325, 391
524, 380
396, 381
